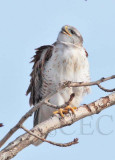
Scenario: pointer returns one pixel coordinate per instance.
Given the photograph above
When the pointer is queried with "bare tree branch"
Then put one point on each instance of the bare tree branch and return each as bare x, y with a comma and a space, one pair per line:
55, 122
45, 100
80, 84
75, 141
106, 90
61, 106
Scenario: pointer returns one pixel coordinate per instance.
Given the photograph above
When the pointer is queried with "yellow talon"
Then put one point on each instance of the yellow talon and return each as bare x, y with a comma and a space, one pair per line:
55, 112
71, 108
62, 111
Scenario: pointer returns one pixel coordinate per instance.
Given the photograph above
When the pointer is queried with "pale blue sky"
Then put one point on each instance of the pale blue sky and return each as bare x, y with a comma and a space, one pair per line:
27, 24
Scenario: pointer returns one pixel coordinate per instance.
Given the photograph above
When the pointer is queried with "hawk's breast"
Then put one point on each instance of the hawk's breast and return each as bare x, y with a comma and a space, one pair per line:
66, 64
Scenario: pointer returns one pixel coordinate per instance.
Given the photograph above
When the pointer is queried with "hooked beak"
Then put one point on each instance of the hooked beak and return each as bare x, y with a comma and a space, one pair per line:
65, 31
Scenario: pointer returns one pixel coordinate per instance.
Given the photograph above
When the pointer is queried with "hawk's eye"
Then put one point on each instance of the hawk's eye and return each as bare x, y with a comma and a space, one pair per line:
72, 32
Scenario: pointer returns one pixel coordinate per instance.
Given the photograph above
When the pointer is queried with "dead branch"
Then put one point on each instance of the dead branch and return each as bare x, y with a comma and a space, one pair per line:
75, 141
61, 106
106, 90
55, 122
97, 83
45, 100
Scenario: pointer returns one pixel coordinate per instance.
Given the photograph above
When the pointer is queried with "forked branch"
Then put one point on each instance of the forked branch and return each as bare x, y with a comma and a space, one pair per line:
53, 123
45, 100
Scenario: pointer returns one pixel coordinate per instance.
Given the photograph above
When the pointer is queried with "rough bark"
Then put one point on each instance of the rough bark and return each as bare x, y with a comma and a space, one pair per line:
55, 122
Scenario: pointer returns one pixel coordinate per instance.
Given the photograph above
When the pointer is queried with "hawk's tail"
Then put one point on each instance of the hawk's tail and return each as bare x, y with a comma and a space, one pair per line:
36, 121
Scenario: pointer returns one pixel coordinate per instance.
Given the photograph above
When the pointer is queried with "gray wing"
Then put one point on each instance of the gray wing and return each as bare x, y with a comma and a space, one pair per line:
41, 57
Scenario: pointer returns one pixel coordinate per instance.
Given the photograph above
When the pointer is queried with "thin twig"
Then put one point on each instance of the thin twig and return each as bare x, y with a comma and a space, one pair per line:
106, 90
75, 141
81, 84
63, 105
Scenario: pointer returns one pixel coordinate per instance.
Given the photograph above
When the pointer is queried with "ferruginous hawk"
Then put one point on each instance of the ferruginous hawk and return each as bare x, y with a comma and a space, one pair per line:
65, 60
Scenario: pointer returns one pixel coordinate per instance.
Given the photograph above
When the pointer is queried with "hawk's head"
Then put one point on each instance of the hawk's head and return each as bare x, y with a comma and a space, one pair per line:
70, 34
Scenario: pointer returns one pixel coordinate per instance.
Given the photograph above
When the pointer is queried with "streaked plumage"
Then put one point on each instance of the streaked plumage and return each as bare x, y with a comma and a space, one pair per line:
65, 60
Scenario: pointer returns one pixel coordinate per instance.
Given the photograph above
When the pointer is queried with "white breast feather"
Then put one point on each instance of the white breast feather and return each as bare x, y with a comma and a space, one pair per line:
67, 64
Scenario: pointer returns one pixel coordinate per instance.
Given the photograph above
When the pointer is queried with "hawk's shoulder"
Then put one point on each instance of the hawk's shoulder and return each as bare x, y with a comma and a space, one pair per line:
41, 57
